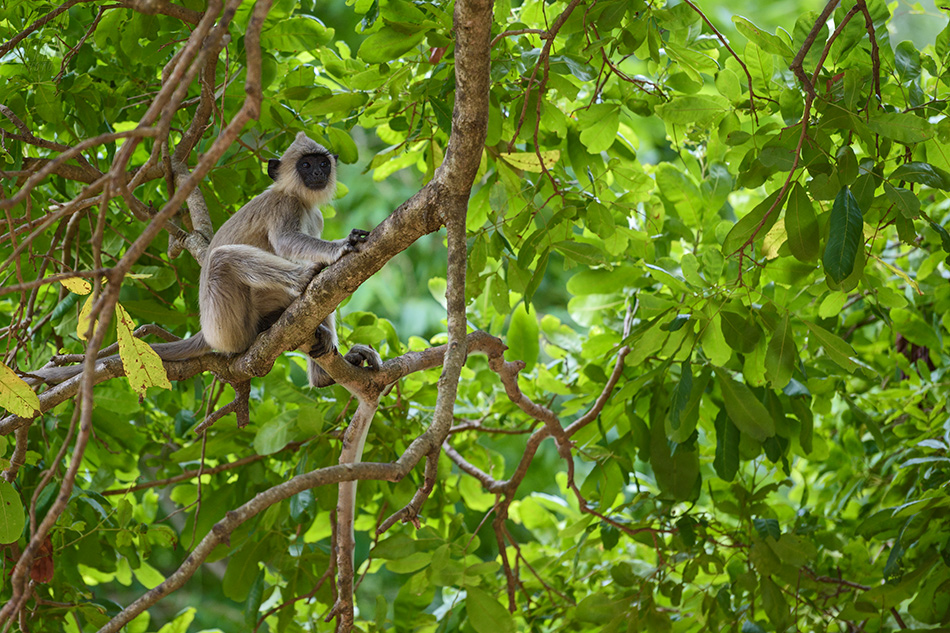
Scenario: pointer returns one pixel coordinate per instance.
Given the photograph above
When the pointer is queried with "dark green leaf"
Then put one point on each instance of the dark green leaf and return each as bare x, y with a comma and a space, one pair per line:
726, 461
255, 596
922, 173
767, 528
845, 236
755, 223
681, 394
781, 355
801, 225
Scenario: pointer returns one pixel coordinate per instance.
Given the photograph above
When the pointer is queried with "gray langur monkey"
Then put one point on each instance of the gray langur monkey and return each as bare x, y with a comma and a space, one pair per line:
260, 260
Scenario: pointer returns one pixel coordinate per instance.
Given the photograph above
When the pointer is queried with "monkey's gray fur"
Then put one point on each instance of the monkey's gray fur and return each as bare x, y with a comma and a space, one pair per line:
260, 260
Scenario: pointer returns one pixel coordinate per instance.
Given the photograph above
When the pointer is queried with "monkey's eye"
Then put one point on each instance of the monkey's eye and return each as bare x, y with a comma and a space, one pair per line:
305, 164
324, 163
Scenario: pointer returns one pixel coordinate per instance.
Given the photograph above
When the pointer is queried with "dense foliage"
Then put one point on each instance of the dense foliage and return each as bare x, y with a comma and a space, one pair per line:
721, 252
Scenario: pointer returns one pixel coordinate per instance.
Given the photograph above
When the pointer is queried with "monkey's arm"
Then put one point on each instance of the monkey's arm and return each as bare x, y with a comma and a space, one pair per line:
298, 245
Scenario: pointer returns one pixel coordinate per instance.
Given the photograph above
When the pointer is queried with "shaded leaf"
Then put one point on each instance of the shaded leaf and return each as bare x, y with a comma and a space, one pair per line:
845, 236
726, 461
745, 410
781, 355
801, 225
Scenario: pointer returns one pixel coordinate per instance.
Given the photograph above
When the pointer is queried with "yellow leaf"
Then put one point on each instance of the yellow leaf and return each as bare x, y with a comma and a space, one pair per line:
143, 366
82, 326
774, 239
528, 161
15, 395
900, 273
77, 285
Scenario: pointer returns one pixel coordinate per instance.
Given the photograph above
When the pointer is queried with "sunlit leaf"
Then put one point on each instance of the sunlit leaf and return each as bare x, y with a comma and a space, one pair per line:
12, 517
782, 355
922, 173
142, 364
15, 395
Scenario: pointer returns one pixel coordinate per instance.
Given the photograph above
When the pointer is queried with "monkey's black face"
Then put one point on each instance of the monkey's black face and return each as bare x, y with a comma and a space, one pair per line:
315, 170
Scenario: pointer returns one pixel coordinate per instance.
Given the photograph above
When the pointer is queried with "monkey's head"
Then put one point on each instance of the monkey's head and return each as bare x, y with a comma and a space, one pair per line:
307, 170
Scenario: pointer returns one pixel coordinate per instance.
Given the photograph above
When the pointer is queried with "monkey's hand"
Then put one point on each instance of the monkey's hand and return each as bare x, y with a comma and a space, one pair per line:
363, 356
324, 341
354, 240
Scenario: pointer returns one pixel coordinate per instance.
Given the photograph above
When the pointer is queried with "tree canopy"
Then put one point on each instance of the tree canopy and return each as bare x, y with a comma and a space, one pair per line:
661, 291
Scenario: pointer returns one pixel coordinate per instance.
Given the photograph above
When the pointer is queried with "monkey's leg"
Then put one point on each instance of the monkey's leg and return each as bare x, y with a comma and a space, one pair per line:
325, 342
242, 284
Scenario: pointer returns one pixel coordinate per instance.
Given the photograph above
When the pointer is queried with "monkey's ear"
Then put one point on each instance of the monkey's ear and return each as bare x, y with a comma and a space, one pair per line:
336, 158
273, 166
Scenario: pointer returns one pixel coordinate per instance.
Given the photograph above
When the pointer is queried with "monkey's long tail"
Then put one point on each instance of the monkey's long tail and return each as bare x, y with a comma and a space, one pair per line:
184, 349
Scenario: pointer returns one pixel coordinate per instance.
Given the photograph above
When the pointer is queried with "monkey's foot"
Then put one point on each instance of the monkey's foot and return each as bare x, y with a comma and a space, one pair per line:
363, 356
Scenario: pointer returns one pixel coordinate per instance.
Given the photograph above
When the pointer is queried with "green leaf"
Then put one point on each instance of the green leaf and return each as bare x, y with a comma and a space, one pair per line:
676, 471
902, 127
388, 44
742, 334
907, 60
744, 409
572, 65
276, 433
698, 110
485, 614
845, 236
181, 623
580, 252
522, 337
781, 355
344, 102
905, 200
595, 281
599, 126
754, 223
49, 106
528, 161
774, 604
242, 571
681, 394
12, 517
922, 173
765, 40
296, 34
342, 144
726, 461
801, 225
836, 348
767, 528
252, 607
